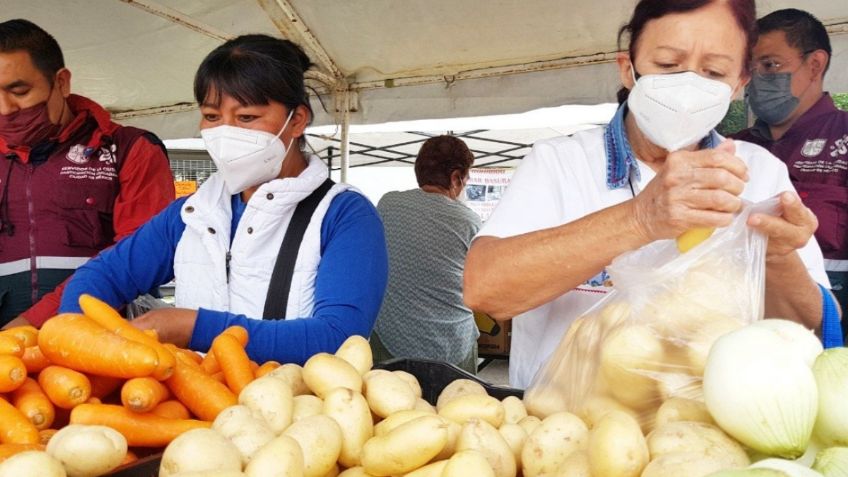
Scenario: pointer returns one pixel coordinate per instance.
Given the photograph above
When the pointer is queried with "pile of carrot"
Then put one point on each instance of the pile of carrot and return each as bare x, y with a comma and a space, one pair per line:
96, 368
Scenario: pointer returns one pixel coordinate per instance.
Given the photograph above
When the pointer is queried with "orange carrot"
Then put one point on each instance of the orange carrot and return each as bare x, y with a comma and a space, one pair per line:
172, 409
200, 393
78, 342
192, 354
65, 387
107, 317
93, 400
209, 363
34, 359
44, 435
8, 450
151, 333
253, 366
27, 335
219, 376
103, 386
12, 373
144, 430
233, 360
143, 394
15, 428
11, 345
266, 368
34, 404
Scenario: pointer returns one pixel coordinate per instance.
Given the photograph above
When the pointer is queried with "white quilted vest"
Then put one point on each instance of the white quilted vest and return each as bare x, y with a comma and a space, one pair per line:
200, 261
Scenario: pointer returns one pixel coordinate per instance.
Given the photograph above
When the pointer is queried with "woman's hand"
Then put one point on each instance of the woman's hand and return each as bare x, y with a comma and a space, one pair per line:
788, 232
693, 189
174, 325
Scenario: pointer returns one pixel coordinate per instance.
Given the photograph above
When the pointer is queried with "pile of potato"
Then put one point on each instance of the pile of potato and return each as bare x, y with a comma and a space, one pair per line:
338, 417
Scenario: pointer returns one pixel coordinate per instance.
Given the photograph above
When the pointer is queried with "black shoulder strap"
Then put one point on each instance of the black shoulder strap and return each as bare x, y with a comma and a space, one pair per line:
277, 299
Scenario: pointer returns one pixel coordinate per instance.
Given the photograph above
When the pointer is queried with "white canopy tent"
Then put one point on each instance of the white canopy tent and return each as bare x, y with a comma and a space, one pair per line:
375, 60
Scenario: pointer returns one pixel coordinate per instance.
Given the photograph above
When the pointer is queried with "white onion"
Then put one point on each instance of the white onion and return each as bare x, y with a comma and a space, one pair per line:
831, 373
832, 462
759, 393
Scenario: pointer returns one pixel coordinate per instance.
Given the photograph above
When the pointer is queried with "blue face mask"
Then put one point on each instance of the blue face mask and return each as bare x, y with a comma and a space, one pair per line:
770, 97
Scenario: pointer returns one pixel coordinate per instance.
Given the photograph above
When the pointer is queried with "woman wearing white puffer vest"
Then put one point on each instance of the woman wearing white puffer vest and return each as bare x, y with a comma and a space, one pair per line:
268, 242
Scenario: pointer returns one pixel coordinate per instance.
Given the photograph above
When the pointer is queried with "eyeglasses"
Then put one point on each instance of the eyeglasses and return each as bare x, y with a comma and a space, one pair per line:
771, 65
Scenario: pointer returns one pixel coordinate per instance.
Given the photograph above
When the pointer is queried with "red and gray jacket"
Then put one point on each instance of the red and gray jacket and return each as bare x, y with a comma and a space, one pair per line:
98, 183
815, 150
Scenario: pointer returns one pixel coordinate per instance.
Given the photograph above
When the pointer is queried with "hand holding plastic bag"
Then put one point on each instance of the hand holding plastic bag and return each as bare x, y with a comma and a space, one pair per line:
648, 340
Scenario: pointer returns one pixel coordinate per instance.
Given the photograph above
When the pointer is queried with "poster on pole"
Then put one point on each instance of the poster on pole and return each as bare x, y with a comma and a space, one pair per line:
485, 188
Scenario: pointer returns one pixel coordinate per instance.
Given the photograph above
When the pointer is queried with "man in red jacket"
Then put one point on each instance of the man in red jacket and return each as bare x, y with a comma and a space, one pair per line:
72, 182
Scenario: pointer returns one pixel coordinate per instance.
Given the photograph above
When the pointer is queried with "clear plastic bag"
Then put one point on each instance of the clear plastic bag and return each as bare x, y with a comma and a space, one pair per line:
648, 339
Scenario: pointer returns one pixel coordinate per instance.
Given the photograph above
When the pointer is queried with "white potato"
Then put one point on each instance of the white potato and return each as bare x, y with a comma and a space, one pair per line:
529, 424
387, 394
682, 409
406, 448
247, 432
271, 400
596, 407
433, 469
515, 436
396, 419
575, 465
199, 450
617, 446
324, 372
356, 351
355, 472
306, 405
688, 464
350, 411
211, 473
31, 464
454, 430
457, 388
293, 375
483, 437
696, 437
320, 439
514, 410
466, 464
470, 406
422, 405
281, 457
552, 442
543, 401
411, 380
88, 451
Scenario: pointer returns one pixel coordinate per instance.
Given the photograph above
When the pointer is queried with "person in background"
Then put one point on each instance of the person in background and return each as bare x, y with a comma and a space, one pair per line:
268, 242
72, 182
656, 170
798, 122
428, 232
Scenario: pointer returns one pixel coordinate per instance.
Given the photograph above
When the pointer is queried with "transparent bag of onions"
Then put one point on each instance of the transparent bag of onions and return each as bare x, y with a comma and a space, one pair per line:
648, 340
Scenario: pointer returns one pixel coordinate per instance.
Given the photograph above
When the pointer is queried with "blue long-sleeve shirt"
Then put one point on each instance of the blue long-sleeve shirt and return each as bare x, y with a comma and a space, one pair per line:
349, 288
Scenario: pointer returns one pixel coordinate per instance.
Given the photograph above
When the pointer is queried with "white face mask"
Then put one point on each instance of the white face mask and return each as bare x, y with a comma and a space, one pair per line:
677, 110
246, 157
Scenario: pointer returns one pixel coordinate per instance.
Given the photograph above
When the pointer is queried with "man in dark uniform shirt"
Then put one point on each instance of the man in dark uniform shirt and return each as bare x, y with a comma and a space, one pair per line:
798, 122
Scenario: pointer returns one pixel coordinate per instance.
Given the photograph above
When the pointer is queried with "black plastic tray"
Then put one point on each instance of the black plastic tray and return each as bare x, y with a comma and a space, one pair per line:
432, 375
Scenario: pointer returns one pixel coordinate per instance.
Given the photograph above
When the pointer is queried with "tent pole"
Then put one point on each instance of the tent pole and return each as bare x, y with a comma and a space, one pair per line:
345, 139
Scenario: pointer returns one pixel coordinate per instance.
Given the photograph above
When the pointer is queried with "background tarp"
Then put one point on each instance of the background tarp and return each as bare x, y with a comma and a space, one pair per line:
379, 60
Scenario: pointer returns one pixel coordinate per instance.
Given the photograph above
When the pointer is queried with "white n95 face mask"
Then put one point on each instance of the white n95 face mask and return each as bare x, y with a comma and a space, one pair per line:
677, 110
245, 157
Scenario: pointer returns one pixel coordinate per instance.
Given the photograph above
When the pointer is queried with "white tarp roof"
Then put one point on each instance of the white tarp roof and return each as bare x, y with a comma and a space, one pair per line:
403, 59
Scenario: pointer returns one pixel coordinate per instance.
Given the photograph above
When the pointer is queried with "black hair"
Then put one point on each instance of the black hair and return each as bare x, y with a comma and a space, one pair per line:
43, 49
439, 157
803, 31
254, 69
744, 11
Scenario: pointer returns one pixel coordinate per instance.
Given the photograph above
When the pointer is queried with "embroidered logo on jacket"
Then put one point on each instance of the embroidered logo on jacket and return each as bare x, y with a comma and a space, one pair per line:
813, 147
77, 154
